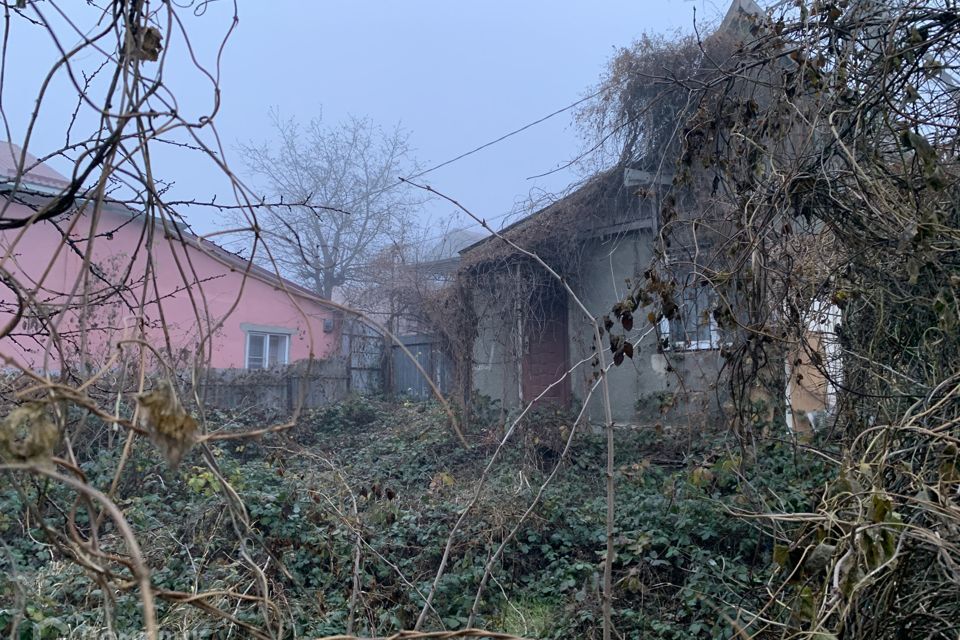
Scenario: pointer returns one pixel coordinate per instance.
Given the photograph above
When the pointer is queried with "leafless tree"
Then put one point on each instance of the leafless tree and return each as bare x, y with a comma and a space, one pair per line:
114, 58
350, 203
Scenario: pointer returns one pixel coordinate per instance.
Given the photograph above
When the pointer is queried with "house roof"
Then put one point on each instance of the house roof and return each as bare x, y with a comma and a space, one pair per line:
451, 244
36, 174
599, 201
735, 22
589, 207
40, 175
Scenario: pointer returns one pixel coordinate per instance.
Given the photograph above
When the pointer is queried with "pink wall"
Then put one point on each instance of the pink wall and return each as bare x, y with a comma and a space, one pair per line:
194, 287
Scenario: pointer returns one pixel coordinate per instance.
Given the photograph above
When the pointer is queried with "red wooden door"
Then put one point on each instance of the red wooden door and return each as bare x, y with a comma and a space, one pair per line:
545, 357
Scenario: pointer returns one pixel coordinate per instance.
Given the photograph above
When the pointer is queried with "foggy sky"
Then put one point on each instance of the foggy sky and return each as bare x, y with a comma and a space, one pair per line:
455, 74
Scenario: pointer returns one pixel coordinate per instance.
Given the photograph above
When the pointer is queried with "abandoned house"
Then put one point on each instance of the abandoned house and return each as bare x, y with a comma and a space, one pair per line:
534, 339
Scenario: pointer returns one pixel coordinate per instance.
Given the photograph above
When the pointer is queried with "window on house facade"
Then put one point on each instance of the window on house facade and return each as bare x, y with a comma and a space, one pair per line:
266, 350
693, 327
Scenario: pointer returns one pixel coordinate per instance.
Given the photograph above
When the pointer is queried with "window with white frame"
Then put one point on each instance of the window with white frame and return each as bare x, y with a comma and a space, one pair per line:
265, 349
693, 327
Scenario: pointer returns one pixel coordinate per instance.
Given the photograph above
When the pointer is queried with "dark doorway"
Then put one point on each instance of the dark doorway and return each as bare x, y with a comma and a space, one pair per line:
546, 356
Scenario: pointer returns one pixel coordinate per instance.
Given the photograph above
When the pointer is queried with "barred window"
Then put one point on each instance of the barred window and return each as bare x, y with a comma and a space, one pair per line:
693, 327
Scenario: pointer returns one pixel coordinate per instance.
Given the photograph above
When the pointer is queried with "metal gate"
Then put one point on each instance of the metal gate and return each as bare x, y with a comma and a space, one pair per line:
408, 380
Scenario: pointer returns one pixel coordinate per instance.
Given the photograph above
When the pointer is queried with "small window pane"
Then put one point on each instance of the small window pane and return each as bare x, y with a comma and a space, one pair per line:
278, 350
694, 323
693, 327
255, 348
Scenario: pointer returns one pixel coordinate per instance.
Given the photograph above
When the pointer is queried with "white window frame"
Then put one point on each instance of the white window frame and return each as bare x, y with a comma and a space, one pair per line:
713, 342
267, 333
692, 345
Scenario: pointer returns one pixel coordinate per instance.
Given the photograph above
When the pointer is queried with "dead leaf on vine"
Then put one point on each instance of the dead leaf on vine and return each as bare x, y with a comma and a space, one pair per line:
168, 424
28, 434
145, 47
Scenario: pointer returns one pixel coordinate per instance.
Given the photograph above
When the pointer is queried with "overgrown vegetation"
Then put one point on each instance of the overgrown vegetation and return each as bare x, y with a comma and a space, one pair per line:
807, 167
390, 478
815, 176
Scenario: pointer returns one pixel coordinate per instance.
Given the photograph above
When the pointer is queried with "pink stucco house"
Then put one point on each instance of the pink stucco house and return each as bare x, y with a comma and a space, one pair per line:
107, 284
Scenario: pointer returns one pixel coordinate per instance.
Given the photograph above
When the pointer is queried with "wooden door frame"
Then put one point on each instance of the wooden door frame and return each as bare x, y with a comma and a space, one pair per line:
558, 299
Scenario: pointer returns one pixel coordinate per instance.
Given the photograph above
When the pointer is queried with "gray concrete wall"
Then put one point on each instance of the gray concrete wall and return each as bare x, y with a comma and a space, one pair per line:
675, 387
606, 265
680, 387
494, 351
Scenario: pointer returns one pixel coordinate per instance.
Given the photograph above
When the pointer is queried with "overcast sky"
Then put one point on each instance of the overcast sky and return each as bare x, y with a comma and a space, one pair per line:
455, 74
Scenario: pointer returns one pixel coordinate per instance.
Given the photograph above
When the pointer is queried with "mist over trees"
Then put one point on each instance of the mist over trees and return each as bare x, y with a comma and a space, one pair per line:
344, 201
798, 176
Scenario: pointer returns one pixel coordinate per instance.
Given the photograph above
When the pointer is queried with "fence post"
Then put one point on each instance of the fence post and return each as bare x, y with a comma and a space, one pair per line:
288, 379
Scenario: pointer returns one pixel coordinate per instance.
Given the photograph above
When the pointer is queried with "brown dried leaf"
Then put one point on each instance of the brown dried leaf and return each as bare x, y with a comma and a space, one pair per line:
146, 46
28, 434
163, 417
